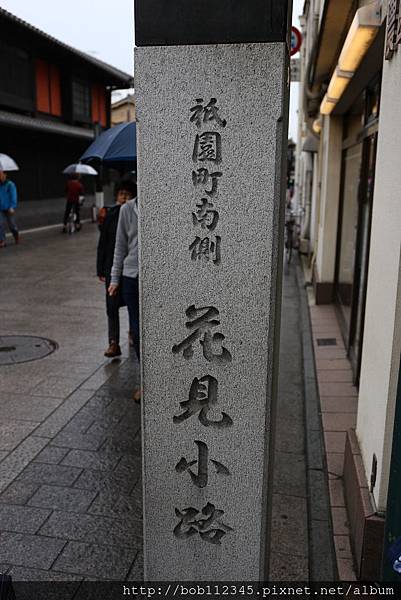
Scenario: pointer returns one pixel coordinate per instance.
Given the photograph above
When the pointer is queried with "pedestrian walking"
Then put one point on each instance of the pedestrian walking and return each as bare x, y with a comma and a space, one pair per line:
8, 204
125, 269
125, 191
74, 190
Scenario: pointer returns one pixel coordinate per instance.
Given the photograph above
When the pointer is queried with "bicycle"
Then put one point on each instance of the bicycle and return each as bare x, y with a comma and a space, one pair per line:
72, 225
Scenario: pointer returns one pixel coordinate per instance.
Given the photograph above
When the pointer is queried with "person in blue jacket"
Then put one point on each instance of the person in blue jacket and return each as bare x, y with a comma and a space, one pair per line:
8, 204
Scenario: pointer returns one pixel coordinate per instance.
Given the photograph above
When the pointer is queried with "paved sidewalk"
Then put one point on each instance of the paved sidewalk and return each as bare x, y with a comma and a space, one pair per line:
70, 466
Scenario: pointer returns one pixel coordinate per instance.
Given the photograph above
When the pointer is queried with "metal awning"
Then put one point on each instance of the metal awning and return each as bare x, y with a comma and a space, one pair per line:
46, 126
336, 20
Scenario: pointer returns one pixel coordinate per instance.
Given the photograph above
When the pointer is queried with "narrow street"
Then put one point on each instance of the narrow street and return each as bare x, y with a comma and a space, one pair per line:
70, 448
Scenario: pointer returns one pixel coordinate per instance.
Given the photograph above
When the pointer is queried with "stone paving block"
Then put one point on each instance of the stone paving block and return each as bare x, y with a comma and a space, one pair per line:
340, 390
334, 441
118, 505
136, 572
29, 550
339, 405
124, 444
101, 480
80, 423
50, 474
340, 521
64, 413
103, 562
16, 461
342, 546
346, 569
3, 454
336, 490
51, 455
319, 505
290, 435
338, 421
58, 386
336, 364
62, 498
290, 522
314, 449
31, 575
344, 376
99, 461
102, 375
18, 493
13, 432
79, 441
322, 564
30, 408
288, 568
93, 529
22, 519
130, 464
290, 474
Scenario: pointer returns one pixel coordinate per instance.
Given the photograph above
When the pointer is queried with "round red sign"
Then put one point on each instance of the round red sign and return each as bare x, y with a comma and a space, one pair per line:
296, 40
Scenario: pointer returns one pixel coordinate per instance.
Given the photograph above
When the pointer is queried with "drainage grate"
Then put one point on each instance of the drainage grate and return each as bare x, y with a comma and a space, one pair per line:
16, 349
326, 342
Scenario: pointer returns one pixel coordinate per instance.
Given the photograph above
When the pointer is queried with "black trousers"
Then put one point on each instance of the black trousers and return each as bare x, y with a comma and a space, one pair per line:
130, 289
113, 304
71, 205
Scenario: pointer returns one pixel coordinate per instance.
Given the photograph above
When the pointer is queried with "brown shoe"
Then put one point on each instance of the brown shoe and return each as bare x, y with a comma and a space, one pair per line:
113, 350
136, 396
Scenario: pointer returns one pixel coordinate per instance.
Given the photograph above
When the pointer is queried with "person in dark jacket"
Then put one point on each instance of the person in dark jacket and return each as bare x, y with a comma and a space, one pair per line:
105, 253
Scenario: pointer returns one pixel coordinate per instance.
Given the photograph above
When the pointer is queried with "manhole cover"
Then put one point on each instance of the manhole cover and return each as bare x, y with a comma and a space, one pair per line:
24, 348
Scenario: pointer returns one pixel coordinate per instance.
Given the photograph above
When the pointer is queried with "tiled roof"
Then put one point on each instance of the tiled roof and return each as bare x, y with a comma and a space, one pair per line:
125, 78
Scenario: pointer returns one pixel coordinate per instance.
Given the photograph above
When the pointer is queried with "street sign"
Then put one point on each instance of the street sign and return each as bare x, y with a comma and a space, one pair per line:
295, 70
296, 40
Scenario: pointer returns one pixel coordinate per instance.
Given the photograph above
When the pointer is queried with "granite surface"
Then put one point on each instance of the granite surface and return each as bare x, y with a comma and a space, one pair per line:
209, 194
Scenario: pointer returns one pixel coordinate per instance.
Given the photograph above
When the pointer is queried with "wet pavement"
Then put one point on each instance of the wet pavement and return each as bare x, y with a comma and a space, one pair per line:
70, 465
70, 447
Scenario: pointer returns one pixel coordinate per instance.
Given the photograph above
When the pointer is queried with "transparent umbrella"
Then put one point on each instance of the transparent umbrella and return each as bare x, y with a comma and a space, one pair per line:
7, 163
79, 169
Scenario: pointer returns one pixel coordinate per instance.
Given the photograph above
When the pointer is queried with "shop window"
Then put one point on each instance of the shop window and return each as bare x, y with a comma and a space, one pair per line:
99, 114
48, 88
81, 101
16, 78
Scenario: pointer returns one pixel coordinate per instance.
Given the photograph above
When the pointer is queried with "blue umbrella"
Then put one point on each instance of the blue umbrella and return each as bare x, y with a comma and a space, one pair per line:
115, 144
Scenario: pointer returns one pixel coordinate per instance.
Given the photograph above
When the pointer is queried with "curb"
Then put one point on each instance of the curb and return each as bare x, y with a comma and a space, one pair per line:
322, 557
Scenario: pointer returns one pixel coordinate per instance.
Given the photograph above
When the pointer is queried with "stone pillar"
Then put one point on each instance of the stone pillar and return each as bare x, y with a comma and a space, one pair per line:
212, 138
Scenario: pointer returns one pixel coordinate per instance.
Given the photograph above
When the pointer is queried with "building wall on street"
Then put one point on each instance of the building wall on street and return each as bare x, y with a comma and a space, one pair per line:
41, 158
382, 341
123, 113
331, 148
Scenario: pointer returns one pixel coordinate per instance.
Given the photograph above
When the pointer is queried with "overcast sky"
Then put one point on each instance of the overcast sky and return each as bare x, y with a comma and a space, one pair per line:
104, 29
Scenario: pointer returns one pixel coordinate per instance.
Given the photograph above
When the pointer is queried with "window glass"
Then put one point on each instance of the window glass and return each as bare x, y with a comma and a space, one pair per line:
81, 108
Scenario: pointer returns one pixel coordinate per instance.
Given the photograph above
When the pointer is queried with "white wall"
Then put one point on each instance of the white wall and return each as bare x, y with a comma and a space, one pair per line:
382, 341
331, 148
